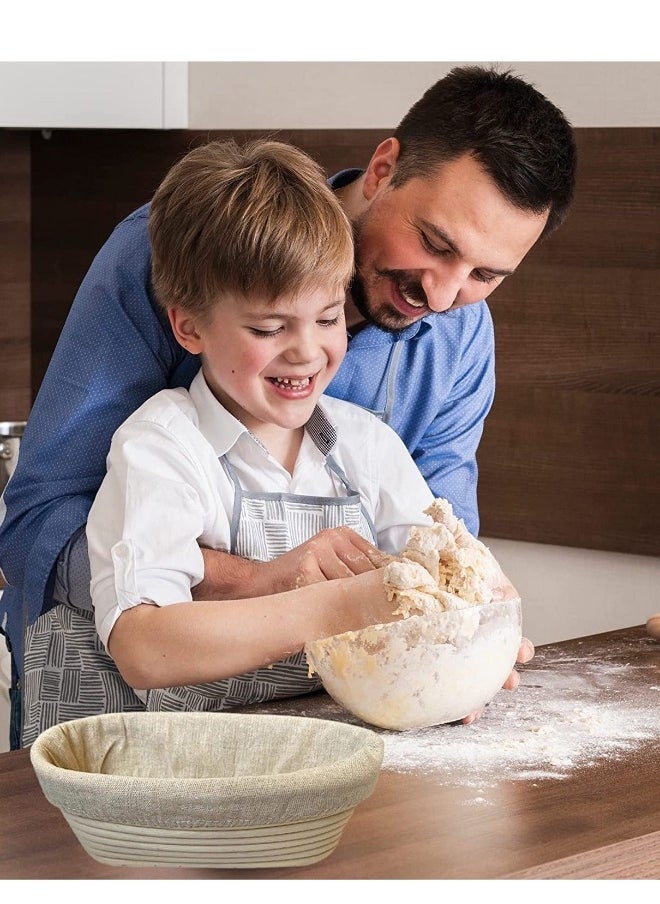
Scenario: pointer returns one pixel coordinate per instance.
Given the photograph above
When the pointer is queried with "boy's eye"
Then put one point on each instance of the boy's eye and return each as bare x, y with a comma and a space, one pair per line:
333, 322
265, 333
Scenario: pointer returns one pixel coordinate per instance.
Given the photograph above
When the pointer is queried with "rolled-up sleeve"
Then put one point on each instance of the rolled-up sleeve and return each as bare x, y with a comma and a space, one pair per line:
143, 527
403, 493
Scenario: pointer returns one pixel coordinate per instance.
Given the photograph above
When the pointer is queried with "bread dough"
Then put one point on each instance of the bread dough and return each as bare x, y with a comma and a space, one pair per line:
442, 567
450, 649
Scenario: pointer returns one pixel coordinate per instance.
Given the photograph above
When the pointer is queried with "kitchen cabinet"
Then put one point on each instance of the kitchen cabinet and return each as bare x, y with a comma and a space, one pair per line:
140, 95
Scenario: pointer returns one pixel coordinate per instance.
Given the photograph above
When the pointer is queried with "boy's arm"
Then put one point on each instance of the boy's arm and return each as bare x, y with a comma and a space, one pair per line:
197, 642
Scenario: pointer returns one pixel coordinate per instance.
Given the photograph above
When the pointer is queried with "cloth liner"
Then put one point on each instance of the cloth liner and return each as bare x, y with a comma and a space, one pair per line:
182, 770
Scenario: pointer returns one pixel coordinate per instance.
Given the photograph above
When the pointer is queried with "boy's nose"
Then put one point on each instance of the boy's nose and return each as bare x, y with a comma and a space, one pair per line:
302, 350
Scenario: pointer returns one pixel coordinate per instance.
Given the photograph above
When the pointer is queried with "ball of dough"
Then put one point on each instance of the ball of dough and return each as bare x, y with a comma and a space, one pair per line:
653, 626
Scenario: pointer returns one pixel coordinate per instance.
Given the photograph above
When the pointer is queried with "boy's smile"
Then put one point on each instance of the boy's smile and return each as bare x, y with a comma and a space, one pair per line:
293, 387
268, 363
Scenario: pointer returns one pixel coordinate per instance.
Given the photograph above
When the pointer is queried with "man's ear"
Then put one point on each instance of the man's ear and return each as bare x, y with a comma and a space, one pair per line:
381, 166
186, 333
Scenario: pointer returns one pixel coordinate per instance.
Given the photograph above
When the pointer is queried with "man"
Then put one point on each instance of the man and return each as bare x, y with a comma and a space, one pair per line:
478, 170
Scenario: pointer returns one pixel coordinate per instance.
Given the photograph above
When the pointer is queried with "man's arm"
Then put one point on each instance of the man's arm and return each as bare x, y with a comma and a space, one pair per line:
114, 351
333, 553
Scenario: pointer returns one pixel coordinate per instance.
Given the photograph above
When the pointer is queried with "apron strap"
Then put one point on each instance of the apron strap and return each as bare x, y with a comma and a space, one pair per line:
238, 501
350, 491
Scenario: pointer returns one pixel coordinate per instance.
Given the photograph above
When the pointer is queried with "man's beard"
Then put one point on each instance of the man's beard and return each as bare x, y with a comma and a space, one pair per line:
385, 316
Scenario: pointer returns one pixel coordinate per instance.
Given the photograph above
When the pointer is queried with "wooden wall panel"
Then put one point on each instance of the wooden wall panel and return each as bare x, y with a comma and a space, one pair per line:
15, 398
570, 450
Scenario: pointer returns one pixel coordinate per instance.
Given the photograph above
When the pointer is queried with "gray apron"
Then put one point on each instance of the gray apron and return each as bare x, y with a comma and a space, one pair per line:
266, 525
67, 673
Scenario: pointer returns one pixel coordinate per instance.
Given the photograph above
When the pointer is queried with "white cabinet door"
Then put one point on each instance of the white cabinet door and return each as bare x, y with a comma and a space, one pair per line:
148, 95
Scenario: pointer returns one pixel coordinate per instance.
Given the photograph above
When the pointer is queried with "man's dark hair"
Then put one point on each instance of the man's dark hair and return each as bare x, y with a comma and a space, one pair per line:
524, 143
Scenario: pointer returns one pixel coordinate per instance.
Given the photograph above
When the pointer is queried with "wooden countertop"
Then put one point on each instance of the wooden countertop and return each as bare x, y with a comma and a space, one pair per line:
556, 780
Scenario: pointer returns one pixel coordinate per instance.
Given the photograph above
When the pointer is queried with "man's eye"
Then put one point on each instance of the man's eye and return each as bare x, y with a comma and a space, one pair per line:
483, 277
431, 248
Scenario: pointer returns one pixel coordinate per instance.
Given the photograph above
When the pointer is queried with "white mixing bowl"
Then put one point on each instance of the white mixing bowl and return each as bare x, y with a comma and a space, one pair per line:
423, 670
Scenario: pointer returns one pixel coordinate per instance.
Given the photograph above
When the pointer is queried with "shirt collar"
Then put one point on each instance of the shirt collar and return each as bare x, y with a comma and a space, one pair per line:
217, 425
373, 335
344, 177
223, 430
322, 431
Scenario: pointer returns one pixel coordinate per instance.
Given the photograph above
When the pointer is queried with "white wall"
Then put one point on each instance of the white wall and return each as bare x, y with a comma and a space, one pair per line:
574, 592
370, 95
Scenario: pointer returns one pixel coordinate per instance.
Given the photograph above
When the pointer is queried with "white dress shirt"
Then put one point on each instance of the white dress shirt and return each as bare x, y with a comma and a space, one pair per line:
166, 492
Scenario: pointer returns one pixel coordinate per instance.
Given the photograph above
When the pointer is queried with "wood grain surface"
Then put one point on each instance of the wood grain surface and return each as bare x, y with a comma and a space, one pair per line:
570, 450
598, 820
15, 213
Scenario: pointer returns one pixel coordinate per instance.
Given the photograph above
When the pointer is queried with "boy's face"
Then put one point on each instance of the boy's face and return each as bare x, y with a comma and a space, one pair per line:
268, 363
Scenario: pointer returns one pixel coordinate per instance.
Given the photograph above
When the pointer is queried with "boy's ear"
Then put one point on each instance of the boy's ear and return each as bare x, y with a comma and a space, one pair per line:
381, 166
184, 327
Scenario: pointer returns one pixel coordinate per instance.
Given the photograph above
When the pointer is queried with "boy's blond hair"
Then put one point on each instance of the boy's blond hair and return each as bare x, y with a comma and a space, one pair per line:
258, 219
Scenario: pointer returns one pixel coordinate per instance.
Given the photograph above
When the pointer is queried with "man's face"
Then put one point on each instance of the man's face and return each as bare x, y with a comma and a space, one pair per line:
436, 243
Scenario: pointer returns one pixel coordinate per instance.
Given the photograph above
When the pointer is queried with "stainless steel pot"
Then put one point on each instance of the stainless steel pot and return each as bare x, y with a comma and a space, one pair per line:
10, 439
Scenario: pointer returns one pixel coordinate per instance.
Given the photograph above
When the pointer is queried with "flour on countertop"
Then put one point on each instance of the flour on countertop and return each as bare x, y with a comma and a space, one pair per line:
560, 718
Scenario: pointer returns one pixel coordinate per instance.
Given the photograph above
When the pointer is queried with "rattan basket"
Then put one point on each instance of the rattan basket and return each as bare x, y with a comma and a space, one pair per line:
207, 789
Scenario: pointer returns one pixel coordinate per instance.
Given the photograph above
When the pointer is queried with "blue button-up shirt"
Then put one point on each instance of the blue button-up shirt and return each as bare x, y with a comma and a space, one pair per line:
433, 382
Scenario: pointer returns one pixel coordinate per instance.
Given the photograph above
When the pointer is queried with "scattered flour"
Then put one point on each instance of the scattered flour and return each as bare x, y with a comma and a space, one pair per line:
561, 717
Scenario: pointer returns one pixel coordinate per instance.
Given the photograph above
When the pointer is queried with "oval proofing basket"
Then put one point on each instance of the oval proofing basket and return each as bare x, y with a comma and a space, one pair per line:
216, 790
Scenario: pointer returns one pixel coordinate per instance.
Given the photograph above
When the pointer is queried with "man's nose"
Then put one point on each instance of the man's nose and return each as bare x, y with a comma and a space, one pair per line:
442, 289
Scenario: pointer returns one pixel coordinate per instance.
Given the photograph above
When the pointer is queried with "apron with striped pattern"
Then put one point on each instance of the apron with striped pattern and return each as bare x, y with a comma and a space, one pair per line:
68, 674
266, 525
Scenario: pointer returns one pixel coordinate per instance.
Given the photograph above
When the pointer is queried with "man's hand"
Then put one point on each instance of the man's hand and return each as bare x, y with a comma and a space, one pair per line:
337, 552
525, 654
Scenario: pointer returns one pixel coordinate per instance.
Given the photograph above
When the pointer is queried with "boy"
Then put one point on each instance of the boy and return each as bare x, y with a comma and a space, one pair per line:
252, 256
